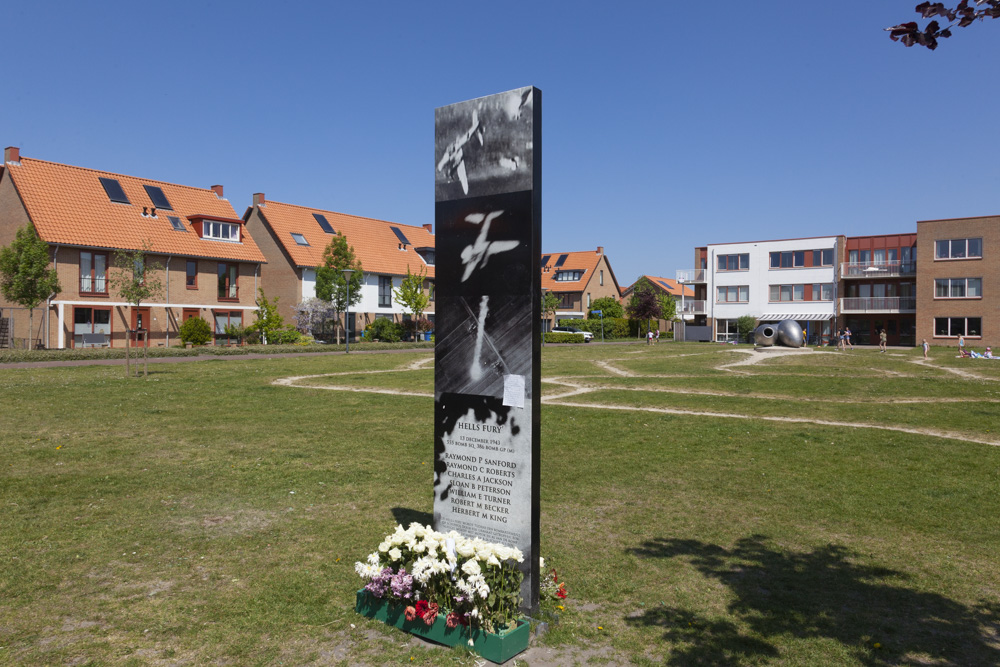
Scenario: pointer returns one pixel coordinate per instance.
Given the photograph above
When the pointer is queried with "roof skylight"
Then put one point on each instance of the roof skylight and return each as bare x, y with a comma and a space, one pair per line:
114, 190
176, 223
561, 260
300, 239
400, 235
324, 223
157, 197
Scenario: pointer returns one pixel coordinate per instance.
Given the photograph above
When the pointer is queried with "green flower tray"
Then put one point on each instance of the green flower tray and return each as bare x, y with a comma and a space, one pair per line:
495, 648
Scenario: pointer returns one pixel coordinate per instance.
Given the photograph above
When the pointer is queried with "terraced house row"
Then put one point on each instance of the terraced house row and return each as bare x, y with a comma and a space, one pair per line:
211, 260
939, 283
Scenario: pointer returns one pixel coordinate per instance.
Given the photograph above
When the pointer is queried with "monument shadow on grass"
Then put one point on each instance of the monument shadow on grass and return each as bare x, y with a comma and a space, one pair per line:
826, 594
404, 516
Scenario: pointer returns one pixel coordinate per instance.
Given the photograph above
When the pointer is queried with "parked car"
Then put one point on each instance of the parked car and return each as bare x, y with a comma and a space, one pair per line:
587, 336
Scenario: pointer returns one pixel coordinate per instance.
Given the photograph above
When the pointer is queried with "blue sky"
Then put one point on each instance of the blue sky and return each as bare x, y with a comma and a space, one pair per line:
666, 125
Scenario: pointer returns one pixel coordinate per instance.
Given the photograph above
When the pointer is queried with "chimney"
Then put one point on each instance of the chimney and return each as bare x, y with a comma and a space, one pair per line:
217, 189
600, 250
11, 154
258, 199
429, 227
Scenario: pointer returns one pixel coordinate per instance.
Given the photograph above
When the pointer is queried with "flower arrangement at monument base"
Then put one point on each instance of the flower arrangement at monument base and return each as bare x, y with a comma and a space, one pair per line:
446, 588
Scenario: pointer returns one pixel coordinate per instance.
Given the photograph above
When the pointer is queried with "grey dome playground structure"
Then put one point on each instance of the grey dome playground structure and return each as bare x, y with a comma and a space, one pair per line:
787, 333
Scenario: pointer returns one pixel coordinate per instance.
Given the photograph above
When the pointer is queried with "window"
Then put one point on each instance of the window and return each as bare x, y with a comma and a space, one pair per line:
93, 272
324, 223
400, 235
958, 249
952, 327
176, 223
788, 259
114, 190
958, 288
157, 197
602, 276
223, 319
229, 274
733, 294
823, 257
787, 292
220, 231
564, 276
384, 291
726, 330
301, 240
822, 292
588, 299
566, 299
90, 320
191, 280
734, 262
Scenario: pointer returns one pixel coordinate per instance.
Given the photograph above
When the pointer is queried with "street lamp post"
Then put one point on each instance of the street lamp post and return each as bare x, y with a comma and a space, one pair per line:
347, 311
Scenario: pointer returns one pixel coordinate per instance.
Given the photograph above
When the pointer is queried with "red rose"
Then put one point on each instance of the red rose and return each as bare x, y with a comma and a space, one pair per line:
410, 613
421, 608
561, 592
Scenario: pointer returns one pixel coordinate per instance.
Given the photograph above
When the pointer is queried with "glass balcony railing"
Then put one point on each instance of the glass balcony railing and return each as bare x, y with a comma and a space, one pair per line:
878, 304
690, 307
690, 275
891, 269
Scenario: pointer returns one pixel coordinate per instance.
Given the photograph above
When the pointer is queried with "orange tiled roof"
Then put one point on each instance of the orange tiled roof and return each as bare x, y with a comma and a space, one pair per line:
585, 261
69, 206
669, 285
374, 242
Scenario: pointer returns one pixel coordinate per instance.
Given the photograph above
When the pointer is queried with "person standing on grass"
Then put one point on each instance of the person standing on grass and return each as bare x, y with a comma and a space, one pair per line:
926, 349
881, 340
847, 339
961, 346
657, 336
649, 337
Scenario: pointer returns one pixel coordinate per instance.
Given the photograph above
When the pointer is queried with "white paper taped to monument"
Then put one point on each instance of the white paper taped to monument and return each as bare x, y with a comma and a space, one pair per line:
513, 390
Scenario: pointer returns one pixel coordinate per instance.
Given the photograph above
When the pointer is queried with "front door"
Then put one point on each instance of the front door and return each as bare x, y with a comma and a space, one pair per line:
140, 324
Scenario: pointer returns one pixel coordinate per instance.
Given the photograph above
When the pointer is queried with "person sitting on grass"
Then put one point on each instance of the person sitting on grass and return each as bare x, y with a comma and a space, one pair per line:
989, 353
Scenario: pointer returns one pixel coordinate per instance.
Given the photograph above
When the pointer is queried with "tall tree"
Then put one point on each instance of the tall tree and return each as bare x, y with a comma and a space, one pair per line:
609, 307
330, 283
268, 322
961, 16
133, 279
645, 303
25, 276
412, 296
549, 304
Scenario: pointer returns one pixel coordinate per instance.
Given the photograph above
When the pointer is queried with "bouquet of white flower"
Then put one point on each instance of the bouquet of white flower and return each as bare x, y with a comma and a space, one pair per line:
474, 582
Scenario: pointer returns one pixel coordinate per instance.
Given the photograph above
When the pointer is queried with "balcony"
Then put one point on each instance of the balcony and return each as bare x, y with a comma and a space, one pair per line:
89, 285
893, 269
878, 304
690, 275
690, 307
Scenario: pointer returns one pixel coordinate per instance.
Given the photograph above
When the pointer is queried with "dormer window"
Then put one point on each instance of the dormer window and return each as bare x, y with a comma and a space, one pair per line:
220, 231
568, 275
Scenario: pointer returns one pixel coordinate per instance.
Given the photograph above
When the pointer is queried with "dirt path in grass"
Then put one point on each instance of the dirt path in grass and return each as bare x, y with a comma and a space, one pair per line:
968, 375
575, 388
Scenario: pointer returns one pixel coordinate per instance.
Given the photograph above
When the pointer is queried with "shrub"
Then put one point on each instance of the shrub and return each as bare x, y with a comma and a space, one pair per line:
385, 330
560, 337
287, 336
195, 331
614, 327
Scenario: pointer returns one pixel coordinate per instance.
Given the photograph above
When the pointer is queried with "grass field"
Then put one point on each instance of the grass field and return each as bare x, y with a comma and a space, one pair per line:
815, 508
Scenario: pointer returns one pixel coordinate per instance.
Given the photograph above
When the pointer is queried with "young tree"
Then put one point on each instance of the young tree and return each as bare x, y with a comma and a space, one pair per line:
962, 15
330, 283
668, 307
549, 304
268, 322
607, 305
745, 326
25, 276
412, 296
645, 303
132, 277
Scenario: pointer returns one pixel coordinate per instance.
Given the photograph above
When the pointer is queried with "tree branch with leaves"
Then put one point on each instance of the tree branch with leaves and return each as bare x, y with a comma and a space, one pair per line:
330, 283
962, 15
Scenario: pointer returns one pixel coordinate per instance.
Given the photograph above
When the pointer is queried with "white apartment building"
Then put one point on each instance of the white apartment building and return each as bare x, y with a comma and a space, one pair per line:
790, 279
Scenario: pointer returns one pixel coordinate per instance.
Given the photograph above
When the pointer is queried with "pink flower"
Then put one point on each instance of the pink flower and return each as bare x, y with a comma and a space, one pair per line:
452, 620
410, 612
431, 614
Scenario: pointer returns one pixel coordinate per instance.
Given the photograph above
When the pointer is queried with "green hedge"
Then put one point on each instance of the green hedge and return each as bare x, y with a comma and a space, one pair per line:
614, 327
560, 337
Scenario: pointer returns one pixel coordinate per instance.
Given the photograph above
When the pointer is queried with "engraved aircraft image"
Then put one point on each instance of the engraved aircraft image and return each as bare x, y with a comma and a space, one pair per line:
453, 161
477, 254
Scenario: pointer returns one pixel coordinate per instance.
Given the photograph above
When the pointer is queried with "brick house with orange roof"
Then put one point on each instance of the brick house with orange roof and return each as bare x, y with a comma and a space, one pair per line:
293, 239
577, 279
208, 265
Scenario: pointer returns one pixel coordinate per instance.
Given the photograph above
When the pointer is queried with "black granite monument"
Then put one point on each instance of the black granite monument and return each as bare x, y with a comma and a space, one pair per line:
487, 322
